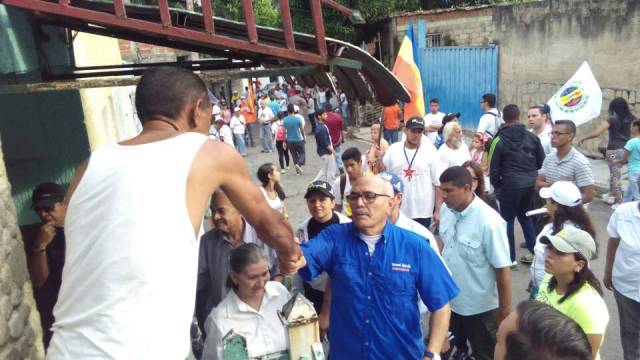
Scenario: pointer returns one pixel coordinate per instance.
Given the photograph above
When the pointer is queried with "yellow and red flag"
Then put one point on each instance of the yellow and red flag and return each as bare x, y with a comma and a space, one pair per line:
406, 70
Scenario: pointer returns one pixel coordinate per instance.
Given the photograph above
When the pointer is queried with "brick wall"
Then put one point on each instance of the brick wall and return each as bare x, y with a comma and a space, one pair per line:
135, 52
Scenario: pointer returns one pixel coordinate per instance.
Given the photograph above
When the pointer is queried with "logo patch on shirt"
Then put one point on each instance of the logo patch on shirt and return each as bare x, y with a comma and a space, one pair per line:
401, 267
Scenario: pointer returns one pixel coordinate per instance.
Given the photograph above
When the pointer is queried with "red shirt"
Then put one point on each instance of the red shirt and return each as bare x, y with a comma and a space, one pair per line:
336, 126
392, 117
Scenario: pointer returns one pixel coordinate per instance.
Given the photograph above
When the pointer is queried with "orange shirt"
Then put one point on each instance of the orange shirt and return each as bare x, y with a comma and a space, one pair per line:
392, 117
249, 116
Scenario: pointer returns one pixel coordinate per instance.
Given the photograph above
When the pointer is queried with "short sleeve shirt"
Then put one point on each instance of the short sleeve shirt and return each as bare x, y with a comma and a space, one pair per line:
586, 306
624, 224
392, 117
573, 167
633, 147
419, 177
293, 123
374, 311
433, 119
475, 245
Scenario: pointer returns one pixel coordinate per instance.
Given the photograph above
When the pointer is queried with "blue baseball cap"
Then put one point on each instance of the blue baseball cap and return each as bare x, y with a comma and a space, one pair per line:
394, 180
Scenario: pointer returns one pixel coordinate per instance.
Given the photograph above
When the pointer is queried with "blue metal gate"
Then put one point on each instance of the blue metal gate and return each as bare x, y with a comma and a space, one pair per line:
459, 76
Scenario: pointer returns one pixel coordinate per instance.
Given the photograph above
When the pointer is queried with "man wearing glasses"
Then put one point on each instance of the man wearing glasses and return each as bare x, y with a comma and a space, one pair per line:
46, 253
417, 163
377, 271
566, 163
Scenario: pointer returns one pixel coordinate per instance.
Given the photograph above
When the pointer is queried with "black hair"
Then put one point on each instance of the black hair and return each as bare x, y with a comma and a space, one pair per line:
327, 107
620, 107
511, 113
585, 275
539, 107
319, 112
576, 214
489, 99
456, 175
544, 333
434, 101
636, 123
291, 109
569, 125
352, 153
243, 256
445, 120
263, 175
165, 91
479, 174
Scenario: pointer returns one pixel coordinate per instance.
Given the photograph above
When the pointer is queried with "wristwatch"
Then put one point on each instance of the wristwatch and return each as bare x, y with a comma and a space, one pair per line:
430, 355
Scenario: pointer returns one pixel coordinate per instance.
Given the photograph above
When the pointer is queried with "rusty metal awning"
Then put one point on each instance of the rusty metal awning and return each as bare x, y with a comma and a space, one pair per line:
360, 75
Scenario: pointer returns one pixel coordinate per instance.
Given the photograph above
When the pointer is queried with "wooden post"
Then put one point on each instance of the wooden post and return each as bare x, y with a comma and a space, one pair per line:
287, 25
250, 21
318, 24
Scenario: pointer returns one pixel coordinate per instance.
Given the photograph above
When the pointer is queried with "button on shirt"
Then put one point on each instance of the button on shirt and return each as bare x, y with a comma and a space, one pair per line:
624, 224
262, 329
475, 244
374, 311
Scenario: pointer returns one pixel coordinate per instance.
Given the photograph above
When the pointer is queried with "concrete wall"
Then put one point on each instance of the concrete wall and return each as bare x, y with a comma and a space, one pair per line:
542, 44
20, 332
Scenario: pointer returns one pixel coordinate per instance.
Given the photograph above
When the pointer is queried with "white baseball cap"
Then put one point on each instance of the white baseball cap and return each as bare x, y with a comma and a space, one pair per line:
236, 109
563, 192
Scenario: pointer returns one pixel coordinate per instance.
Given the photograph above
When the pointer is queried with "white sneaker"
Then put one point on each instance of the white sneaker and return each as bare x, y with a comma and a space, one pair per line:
614, 206
608, 199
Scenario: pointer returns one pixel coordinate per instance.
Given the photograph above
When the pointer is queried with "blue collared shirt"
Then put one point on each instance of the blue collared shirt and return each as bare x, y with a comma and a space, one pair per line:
475, 245
374, 311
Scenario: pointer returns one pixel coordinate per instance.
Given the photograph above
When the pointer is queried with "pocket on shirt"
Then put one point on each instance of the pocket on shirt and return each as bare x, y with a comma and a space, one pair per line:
470, 250
346, 273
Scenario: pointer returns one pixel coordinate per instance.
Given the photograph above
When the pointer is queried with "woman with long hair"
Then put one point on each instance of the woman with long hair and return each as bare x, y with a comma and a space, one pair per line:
478, 185
619, 127
272, 190
564, 210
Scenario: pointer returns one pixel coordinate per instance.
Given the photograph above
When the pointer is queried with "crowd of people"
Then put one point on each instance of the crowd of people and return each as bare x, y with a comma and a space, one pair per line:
406, 252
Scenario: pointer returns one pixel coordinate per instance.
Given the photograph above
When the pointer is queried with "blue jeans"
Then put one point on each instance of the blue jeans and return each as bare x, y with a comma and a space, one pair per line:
338, 150
238, 139
266, 138
514, 203
344, 108
633, 192
248, 134
391, 135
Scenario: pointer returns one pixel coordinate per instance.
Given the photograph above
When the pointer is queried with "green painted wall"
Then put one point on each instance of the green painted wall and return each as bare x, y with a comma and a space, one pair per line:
43, 134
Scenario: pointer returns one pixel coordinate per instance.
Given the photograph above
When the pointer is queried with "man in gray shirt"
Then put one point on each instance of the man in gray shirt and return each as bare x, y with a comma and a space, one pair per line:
231, 230
566, 163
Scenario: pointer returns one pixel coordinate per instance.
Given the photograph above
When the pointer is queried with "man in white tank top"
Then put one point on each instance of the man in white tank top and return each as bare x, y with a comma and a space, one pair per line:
133, 222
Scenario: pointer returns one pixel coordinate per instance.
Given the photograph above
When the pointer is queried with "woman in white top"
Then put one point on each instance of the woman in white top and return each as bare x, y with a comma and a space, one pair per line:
454, 152
564, 210
269, 177
250, 309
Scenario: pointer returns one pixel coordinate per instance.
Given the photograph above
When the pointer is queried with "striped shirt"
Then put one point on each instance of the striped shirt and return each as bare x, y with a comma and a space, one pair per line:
573, 167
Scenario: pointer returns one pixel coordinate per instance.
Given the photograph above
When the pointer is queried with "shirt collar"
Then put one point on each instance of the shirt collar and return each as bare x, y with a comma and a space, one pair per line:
467, 210
386, 231
569, 155
240, 306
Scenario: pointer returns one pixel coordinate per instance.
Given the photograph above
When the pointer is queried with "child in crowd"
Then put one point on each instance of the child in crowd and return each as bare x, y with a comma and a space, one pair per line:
632, 156
377, 144
479, 155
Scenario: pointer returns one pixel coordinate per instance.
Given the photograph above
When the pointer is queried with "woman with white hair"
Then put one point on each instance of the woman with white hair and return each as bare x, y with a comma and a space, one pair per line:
454, 152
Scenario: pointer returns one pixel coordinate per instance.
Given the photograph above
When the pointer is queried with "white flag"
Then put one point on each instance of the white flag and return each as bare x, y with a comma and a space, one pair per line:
579, 100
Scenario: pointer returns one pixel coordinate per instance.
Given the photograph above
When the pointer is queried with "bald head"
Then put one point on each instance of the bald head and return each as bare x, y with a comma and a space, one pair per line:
371, 201
373, 183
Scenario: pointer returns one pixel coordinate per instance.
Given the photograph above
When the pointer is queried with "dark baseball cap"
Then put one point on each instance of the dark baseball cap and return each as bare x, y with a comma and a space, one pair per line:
321, 187
45, 195
415, 122
450, 117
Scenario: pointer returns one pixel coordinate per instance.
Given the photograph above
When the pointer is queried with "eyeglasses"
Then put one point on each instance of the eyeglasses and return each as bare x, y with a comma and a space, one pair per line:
557, 133
367, 196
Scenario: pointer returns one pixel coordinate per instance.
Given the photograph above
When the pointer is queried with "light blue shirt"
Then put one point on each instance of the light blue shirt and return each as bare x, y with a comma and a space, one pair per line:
633, 147
293, 123
475, 244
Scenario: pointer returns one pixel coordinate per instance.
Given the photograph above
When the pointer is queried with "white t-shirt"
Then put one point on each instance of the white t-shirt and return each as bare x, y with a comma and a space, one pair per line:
262, 329
225, 134
322, 96
545, 139
265, 114
450, 157
215, 110
276, 204
339, 199
371, 241
419, 180
311, 106
488, 123
237, 124
624, 224
433, 119
343, 98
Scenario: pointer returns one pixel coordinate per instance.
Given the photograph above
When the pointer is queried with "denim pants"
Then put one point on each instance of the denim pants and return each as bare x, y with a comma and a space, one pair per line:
266, 138
515, 203
344, 108
391, 135
615, 173
633, 189
338, 150
629, 311
238, 139
248, 135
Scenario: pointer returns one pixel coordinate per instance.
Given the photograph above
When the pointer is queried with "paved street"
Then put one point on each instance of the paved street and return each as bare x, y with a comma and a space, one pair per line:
295, 186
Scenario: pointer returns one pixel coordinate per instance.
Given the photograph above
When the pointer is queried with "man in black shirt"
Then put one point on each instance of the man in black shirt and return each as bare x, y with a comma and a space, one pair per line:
47, 250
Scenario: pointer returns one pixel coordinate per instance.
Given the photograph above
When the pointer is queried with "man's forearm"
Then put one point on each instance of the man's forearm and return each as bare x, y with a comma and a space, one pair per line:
503, 280
438, 200
39, 266
439, 328
278, 231
612, 247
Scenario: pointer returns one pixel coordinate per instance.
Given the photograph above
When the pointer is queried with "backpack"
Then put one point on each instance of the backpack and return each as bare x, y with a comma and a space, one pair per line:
497, 122
343, 185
